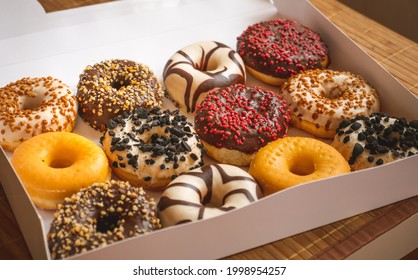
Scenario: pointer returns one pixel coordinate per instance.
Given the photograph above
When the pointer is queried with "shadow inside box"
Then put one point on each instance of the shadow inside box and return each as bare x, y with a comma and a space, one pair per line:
401, 16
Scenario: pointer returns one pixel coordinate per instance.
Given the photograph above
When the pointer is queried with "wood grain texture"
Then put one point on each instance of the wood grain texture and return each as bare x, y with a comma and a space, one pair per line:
334, 241
54, 5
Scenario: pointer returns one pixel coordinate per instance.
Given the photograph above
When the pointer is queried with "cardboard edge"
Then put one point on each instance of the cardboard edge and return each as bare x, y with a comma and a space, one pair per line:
184, 240
364, 64
30, 223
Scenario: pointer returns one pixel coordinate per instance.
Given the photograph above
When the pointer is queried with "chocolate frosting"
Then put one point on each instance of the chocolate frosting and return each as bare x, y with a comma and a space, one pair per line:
98, 215
281, 48
241, 118
109, 88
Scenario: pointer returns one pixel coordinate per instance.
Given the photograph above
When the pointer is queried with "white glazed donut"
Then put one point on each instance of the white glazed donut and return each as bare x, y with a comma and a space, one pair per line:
149, 148
206, 192
32, 106
320, 99
194, 70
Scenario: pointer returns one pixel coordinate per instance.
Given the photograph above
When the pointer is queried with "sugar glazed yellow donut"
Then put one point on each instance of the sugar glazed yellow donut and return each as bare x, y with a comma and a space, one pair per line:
291, 161
55, 165
31, 106
320, 99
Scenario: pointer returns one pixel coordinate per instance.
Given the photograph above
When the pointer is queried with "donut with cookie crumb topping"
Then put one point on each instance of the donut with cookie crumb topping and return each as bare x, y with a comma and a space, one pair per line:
371, 141
100, 214
111, 87
320, 99
31, 106
149, 148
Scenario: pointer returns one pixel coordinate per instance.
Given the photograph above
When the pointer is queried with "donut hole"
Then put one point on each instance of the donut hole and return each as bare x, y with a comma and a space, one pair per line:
302, 166
333, 91
211, 66
32, 102
61, 162
107, 223
120, 84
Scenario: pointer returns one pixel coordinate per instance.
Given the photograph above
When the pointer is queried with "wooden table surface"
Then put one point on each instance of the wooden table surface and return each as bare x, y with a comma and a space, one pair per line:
338, 240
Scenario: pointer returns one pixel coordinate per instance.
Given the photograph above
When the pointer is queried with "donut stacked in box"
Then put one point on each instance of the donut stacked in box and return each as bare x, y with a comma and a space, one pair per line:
226, 145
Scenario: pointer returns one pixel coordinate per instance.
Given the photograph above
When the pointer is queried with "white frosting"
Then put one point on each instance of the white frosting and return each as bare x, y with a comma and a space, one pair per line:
194, 70
326, 97
149, 168
32, 106
206, 192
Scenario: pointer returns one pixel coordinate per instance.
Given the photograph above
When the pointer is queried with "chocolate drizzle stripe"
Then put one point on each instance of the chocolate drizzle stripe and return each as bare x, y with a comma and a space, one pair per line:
186, 185
166, 202
226, 209
207, 176
183, 222
189, 81
217, 78
201, 213
241, 191
232, 57
226, 178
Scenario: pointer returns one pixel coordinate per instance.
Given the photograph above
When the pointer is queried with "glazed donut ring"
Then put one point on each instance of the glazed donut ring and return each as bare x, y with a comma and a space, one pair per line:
100, 214
111, 87
235, 122
206, 192
274, 50
149, 148
320, 99
370, 141
54, 165
194, 70
32, 106
291, 161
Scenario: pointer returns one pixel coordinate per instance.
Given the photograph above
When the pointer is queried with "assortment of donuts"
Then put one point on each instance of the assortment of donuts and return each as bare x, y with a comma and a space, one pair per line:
99, 191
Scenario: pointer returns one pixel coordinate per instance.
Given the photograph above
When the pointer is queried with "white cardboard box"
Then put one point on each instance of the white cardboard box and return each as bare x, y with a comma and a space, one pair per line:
61, 44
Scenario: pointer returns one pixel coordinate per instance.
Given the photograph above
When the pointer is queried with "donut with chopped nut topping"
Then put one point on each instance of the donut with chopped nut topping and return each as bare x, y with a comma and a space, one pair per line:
235, 122
274, 50
371, 141
149, 148
31, 106
111, 87
100, 214
320, 99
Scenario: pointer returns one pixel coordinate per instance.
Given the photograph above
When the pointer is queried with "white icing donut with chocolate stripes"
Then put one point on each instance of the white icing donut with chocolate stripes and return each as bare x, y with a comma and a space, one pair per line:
206, 192
194, 70
31, 106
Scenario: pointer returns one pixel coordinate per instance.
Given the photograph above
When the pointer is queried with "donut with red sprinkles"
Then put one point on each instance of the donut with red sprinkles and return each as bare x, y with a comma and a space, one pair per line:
274, 50
235, 122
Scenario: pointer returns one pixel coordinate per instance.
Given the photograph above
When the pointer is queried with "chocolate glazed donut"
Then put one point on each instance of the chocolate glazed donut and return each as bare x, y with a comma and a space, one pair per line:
206, 192
111, 87
198, 68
